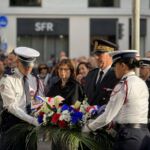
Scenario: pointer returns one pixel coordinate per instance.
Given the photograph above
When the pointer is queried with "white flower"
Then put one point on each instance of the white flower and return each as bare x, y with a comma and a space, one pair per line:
65, 115
50, 114
85, 103
86, 117
82, 109
44, 119
59, 110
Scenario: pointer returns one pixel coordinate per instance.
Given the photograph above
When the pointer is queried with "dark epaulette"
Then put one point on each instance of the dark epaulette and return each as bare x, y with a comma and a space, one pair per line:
12, 73
122, 80
5, 75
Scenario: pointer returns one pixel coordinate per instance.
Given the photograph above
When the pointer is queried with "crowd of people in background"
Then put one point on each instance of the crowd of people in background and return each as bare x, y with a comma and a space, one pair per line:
44, 71
98, 78
48, 73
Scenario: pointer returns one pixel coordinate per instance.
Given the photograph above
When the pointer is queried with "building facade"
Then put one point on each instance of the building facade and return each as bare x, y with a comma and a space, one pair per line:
51, 26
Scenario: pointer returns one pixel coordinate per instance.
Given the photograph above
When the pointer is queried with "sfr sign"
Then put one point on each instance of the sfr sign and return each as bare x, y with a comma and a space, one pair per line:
44, 26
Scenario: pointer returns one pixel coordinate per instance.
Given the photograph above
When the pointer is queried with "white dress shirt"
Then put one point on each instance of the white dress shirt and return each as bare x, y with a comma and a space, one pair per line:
104, 73
14, 99
132, 110
33, 86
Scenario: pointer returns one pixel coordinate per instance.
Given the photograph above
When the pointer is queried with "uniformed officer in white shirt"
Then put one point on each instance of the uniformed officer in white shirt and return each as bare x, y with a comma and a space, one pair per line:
128, 105
145, 75
13, 93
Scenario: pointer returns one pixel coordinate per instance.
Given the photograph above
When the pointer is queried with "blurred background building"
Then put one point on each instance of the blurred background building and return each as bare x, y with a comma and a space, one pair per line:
51, 26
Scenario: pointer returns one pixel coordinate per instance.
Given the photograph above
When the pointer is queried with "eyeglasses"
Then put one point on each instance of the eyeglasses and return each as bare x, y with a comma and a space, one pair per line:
43, 68
65, 69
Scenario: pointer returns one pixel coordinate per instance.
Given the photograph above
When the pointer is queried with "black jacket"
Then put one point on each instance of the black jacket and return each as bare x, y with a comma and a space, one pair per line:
71, 92
99, 94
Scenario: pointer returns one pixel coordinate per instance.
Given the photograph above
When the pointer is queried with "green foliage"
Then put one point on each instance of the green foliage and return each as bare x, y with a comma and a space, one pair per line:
70, 139
22, 134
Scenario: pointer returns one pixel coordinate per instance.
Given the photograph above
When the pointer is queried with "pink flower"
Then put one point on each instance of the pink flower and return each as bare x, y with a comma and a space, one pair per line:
89, 108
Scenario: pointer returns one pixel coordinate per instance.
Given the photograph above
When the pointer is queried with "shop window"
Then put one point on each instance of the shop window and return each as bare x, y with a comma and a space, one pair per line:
48, 46
25, 2
104, 3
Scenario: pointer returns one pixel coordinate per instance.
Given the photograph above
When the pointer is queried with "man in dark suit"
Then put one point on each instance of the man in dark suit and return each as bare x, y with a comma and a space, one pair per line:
101, 81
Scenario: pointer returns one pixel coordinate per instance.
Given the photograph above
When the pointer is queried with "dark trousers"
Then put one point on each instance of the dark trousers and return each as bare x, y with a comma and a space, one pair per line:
132, 139
6, 143
8, 120
7, 123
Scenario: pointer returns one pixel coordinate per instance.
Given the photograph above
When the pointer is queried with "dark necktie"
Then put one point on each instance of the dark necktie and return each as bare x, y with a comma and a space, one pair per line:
100, 77
28, 98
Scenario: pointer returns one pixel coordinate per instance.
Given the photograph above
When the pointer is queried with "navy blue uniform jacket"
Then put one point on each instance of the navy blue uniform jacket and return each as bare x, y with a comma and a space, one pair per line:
99, 94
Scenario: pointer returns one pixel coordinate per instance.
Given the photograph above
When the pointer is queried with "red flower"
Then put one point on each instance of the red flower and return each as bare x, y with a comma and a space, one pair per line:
62, 124
41, 113
55, 118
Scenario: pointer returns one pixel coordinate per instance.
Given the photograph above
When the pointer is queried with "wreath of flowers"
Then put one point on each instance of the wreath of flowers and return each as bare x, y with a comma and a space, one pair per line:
61, 124
52, 111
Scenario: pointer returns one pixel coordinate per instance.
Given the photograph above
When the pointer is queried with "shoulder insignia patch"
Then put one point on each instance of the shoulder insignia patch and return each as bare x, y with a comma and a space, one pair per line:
122, 80
5, 75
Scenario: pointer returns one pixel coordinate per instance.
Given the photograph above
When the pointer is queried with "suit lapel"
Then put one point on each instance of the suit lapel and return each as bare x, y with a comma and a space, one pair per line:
104, 80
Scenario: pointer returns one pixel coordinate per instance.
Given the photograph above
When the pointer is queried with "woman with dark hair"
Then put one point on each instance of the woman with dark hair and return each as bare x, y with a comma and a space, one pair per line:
43, 73
66, 86
81, 72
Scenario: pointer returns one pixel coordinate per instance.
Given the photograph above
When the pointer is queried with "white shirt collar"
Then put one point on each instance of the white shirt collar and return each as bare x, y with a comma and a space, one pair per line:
19, 74
128, 74
106, 69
